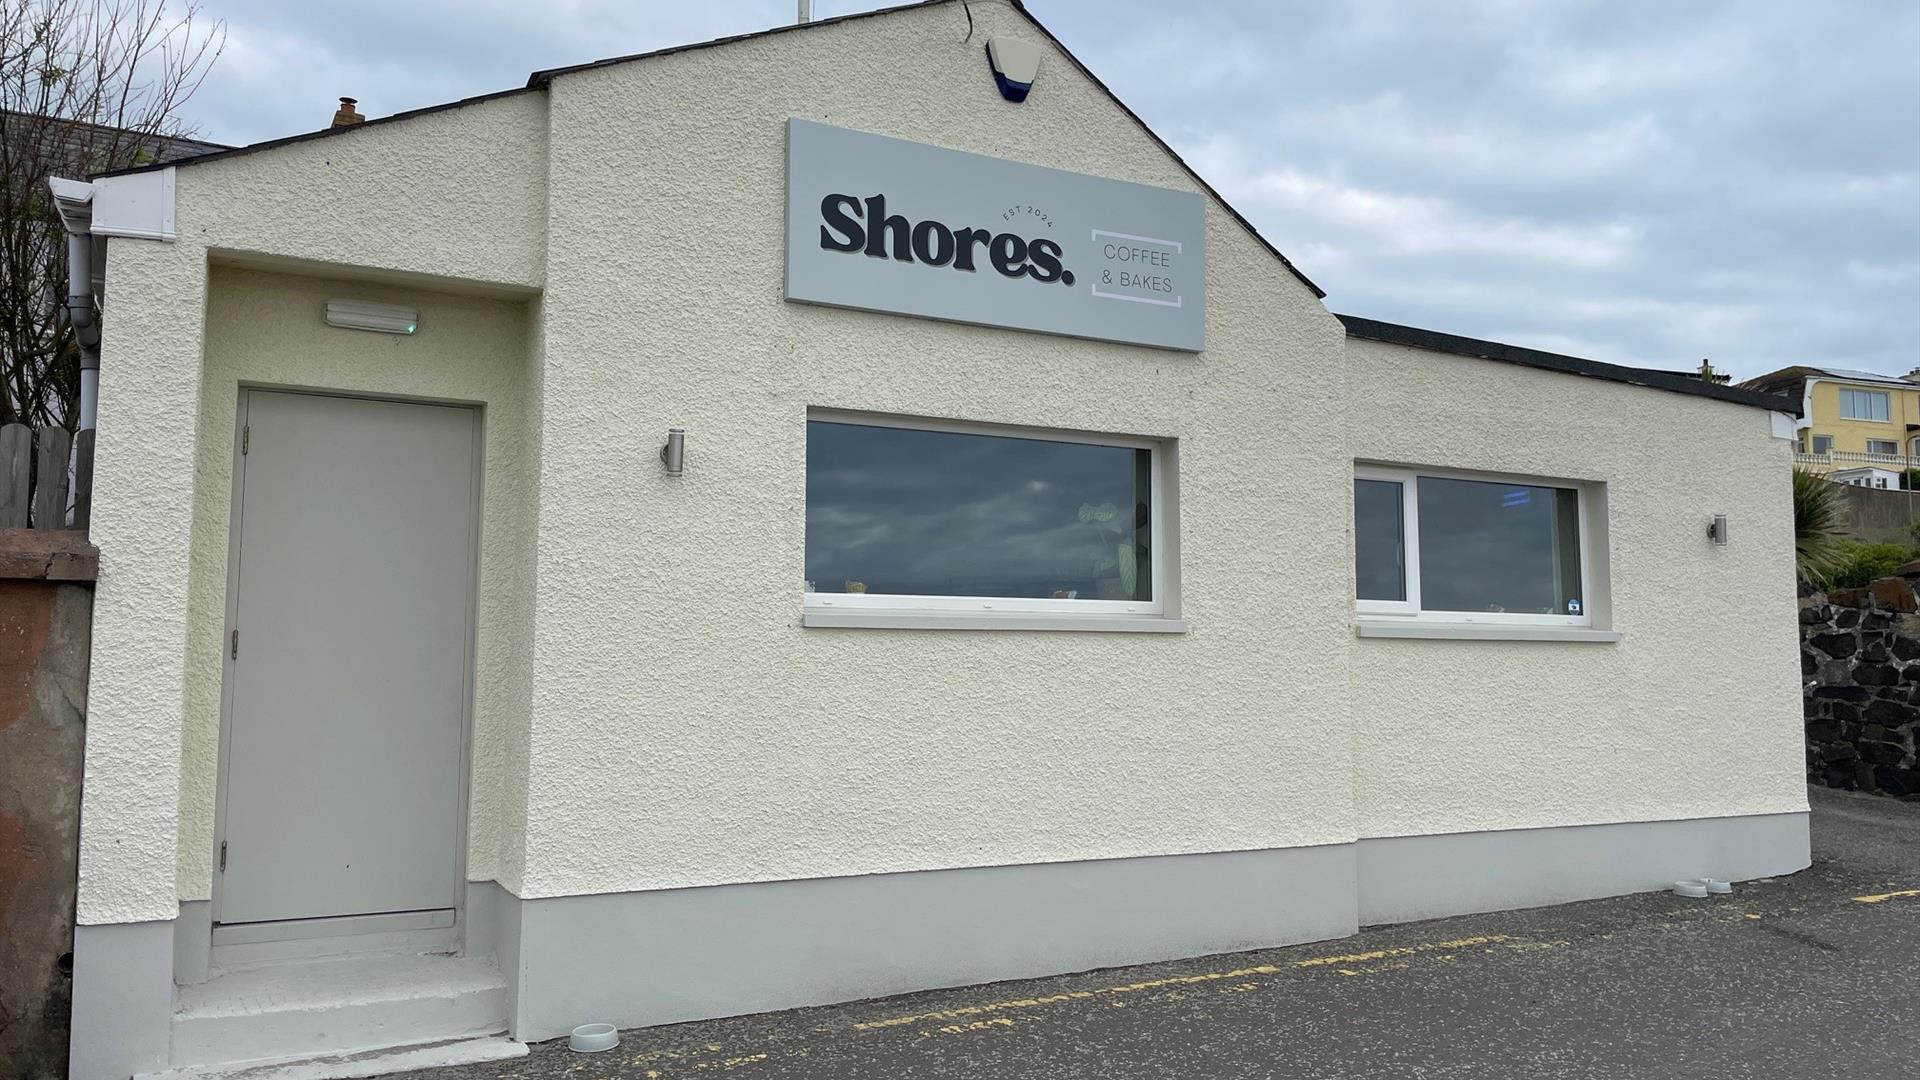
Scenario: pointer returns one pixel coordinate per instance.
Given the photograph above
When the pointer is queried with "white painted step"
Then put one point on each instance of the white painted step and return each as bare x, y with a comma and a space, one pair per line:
362, 1063
336, 1007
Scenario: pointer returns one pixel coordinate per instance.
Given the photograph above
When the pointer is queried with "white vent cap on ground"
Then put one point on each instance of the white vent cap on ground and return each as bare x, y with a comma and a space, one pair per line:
593, 1038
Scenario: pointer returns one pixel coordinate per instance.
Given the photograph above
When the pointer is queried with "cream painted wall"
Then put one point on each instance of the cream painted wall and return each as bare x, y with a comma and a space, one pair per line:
265, 329
143, 488
654, 711
688, 731
460, 193
1695, 712
457, 195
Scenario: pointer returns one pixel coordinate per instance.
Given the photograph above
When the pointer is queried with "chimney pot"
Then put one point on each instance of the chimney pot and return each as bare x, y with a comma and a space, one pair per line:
346, 116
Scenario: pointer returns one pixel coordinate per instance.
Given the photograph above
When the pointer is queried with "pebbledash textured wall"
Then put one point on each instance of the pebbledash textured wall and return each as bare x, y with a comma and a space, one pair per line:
603, 261
453, 199
1860, 664
1689, 715
738, 746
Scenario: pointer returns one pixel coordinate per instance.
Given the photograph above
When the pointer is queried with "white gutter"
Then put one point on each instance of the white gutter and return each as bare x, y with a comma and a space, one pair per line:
138, 205
74, 200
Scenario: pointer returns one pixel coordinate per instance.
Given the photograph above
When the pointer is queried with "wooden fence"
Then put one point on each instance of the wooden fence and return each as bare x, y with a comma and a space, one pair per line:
46, 478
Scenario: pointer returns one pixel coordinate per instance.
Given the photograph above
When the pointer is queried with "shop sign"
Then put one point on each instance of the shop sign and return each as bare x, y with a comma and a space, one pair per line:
885, 224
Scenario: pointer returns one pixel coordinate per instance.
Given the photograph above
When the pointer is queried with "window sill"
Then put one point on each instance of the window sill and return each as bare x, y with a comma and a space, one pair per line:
1379, 628
880, 619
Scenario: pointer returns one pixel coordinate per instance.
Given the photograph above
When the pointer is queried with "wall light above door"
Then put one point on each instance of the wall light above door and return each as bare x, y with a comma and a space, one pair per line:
379, 318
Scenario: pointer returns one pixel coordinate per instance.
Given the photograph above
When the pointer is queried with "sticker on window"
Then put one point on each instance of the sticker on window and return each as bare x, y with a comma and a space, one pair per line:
1573, 607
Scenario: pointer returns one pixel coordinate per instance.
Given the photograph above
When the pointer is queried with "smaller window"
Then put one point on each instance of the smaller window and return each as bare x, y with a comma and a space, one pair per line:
1863, 404
1883, 446
1460, 548
1823, 444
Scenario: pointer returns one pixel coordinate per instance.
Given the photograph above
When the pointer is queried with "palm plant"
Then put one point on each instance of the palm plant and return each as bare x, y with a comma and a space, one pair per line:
1819, 524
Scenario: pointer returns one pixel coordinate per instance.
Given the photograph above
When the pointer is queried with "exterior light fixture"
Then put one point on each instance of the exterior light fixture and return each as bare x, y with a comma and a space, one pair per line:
379, 318
1015, 63
673, 456
1717, 529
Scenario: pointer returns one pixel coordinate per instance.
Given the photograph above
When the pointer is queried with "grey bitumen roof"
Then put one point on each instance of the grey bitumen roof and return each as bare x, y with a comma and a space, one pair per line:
1395, 334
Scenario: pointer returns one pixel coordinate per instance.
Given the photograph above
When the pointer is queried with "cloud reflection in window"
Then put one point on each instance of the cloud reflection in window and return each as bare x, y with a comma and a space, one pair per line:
942, 513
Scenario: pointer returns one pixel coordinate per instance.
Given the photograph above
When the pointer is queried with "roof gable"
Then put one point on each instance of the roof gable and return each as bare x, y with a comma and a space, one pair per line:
540, 80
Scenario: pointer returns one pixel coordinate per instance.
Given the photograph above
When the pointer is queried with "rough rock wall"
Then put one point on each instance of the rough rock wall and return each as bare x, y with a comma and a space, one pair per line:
1860, 661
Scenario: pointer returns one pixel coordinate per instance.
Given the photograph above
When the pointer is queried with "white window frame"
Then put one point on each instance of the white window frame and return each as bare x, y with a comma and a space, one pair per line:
1822, 444
1882, 395
1892, 447
1409, 610
1091, 609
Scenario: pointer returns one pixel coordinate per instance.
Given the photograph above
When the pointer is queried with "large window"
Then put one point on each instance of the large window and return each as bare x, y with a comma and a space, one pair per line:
948, 517
1863, 404
1468, 549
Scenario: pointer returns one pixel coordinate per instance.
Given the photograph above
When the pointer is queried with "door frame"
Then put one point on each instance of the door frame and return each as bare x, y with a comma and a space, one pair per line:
421, 931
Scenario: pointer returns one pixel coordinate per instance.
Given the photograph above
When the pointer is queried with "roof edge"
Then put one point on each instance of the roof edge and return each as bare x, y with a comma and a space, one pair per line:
540, 80
1318, 292
308, 136
1808, 371
1433, 340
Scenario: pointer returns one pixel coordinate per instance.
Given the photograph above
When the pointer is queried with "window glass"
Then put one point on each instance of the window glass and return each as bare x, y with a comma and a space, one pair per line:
1498, 547
915, 512
1863, 404
1379, 548
1823, 444
1882, 446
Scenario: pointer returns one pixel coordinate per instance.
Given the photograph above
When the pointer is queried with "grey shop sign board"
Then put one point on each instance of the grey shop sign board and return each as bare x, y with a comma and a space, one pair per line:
885, 224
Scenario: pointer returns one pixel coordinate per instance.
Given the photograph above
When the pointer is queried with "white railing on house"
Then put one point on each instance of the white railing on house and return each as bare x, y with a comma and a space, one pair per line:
1835, 460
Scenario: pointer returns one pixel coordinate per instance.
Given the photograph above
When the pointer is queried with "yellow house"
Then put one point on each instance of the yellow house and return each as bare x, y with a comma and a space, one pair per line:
1859, 427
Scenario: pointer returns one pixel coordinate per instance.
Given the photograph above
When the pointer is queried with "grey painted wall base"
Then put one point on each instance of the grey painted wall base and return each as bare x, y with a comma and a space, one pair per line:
493, 929
122, 1000
1404, 878
685, 954
192, 942
646, 958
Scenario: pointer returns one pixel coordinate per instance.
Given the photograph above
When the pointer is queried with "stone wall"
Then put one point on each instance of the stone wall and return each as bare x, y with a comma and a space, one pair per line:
1860, 661
46, 615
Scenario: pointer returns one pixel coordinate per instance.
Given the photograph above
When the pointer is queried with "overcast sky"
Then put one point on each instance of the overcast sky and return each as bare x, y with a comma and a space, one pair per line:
1641, 182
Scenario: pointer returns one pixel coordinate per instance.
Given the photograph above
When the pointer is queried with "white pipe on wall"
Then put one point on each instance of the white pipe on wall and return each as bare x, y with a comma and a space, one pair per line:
74, 201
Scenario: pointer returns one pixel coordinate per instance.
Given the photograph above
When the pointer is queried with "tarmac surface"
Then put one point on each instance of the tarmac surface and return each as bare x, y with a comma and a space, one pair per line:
1812, 975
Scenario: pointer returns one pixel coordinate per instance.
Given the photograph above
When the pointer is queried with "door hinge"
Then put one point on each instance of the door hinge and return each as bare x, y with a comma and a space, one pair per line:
246, 436
236, 644
223, 856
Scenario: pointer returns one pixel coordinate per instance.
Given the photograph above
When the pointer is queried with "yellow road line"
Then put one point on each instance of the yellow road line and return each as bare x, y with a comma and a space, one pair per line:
1342, 960
1881, 897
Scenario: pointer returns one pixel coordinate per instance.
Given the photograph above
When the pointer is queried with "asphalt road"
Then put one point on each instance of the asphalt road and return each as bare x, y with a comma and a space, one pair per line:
1813, 975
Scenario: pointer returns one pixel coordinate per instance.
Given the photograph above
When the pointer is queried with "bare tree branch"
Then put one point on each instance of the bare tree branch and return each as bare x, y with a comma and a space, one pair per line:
86, 86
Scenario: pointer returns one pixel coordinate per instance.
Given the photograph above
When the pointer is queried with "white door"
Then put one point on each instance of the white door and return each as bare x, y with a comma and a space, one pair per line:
348, 658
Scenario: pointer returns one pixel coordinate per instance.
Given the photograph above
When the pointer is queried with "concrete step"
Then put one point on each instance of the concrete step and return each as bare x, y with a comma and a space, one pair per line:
359, 1063
336, 1007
